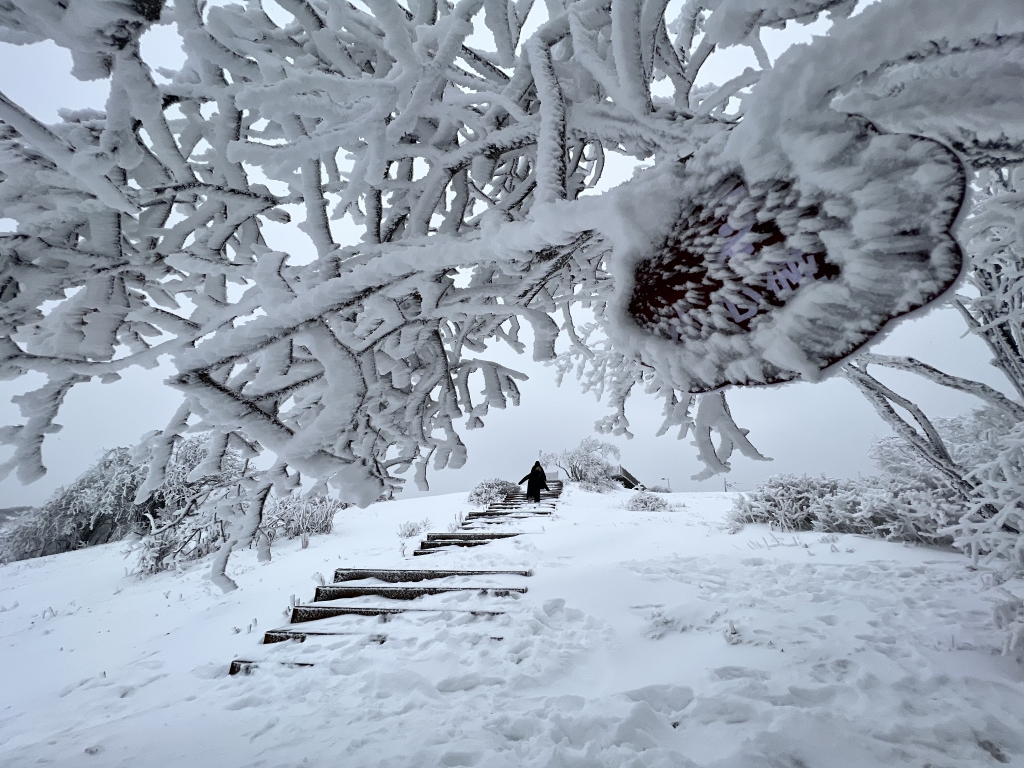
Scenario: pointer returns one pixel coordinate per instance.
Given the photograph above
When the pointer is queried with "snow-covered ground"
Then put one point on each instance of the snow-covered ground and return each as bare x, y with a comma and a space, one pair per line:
645, 639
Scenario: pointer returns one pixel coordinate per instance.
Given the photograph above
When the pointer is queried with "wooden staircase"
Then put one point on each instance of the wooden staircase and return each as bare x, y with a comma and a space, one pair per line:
515, 506
329, 615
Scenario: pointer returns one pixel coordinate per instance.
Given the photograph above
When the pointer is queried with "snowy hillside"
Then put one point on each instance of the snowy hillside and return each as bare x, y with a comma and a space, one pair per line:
644, 639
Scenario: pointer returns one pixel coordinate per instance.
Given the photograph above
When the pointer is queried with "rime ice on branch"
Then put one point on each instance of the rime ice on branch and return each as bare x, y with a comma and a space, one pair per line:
458, 144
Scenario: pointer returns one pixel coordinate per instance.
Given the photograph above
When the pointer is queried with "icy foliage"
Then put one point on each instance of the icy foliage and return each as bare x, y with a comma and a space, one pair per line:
174, 547
490, 491
995, 311
461, 144
600, 485
642, 501
1009, 616
196, 504
976, 458
96, 508
587, 462
884, 506
411, 529
100, 505
298, 515
913, 498
994, 528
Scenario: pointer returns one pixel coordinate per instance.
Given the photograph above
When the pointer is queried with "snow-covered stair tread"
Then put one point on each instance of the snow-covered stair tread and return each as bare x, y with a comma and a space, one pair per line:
335, 592
303, 613
396, 576
471, 536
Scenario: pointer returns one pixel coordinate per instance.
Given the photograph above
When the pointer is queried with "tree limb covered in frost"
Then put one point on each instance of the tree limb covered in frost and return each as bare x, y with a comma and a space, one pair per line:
990, 484
995, 234
979, 389
143, 224
928, 443
463, 156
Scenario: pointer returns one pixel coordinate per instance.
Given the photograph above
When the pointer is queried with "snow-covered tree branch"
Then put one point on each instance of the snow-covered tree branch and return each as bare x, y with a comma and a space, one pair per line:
461, 138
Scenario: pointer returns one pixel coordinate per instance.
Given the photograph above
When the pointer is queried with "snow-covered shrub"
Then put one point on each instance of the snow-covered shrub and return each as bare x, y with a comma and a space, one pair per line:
171, 547
986, 520
1009, 616
410, 528
971, 462
491, 491
96, 508
658, 489
993, 528
915, 498
600, 485
99, 506
296, 515
874, 506
802, 503
587, 462
643, 501
190, 524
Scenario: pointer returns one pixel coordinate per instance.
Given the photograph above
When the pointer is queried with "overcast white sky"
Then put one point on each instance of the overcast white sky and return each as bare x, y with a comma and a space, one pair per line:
807, 428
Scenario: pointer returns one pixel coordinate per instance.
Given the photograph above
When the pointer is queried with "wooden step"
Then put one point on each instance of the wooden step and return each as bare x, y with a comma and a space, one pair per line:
468, 536
514, 507
510, 513
284, 634
453, 543
335, 592
247, 667
303, 613
502, 520
402, 576
533, 509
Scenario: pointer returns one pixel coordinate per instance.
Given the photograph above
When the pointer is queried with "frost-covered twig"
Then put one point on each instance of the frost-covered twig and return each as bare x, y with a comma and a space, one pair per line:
142, 229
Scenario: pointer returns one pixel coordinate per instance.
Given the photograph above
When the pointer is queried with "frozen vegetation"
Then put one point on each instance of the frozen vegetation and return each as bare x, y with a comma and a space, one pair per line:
785, 219
777, 225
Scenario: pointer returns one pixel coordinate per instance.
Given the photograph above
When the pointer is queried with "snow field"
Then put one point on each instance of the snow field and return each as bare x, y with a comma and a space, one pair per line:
645, 639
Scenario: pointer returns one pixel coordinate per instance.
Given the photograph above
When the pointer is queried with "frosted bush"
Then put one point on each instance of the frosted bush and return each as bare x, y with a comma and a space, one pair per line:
1009, 616
870, 506
295, 516
644, 501
587, 462
96, 508
792, 503
202, 531
99, 506
987, 446
410, 529
491, 491
195, 503
992, 530
659, 489
173, 547
600, 485
914, 499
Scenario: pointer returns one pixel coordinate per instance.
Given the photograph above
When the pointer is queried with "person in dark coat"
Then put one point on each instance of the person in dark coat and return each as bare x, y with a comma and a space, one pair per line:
537, 480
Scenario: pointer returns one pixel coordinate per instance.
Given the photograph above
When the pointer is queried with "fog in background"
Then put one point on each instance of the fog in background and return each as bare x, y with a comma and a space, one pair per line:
824, 428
